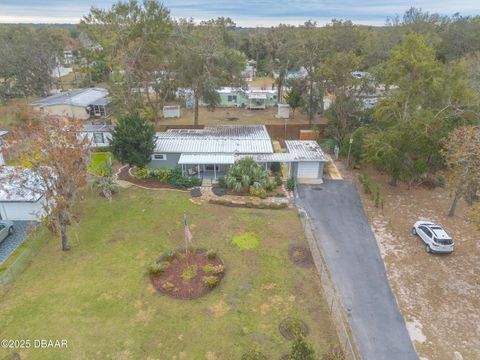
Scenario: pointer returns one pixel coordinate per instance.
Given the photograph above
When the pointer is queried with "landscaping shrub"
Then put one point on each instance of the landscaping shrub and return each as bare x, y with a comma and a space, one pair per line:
260, 192
211, 254
177, 180
208, 268
275, 167
168, 286
170, 254
280, 194
366, 183
161, 174
278, 180
158, 268
301, 350
210, 281
218, 269
221, 182
377, 197
245, 173
291, 183
189, 273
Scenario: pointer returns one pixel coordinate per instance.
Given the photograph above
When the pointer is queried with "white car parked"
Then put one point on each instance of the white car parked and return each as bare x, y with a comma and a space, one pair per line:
6, 228
434, 236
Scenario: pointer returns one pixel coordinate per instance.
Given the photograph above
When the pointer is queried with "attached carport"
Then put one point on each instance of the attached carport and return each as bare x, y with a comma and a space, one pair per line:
351, 252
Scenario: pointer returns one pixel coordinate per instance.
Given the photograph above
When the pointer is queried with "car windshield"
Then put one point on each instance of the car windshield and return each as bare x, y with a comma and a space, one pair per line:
443, 241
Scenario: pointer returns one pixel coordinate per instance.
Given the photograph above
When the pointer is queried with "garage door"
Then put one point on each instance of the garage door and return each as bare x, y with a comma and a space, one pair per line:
308, 170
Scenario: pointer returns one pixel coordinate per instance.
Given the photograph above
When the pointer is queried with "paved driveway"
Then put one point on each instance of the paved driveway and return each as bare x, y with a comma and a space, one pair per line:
354, 260
8, 246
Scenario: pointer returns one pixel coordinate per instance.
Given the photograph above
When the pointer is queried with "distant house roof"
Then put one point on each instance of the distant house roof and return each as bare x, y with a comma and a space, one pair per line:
242, 139
303, 150
3, 132
97, 128
24, 187
77, 97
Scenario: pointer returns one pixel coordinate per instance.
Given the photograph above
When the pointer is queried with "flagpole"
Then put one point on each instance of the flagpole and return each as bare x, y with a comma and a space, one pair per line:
185, 232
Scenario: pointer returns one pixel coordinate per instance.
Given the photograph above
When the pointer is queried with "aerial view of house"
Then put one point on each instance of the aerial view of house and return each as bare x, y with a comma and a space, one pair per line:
213, 180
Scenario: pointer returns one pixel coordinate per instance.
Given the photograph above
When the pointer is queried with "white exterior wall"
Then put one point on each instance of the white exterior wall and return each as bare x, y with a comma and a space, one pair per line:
2, 161
31, 211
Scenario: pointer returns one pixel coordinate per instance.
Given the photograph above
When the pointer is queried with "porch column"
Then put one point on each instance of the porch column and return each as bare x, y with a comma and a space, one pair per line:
214, 172
198, 171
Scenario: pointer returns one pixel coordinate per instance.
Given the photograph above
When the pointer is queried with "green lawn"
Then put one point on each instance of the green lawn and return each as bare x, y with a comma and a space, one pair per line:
98, 296
99, 161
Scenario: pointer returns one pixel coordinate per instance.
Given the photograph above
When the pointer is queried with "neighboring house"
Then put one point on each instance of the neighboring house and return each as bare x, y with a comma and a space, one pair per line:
250, 71
207, 153
21, 198
2, 135
79, 104
98, 135
250, 99
68, 57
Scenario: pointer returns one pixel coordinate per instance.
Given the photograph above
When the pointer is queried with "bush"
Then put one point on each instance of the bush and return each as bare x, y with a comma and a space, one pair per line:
141, 173
270, 186
280, 194
211, 254
278, 180
366, 183
260, 192
208, 268
222, 183
291, 183
254, 355
301, 350
210, 281
275, 167
189, 273
245, 173
168, 286
218, 269
161, 174
170, 254
177, 180
158, 268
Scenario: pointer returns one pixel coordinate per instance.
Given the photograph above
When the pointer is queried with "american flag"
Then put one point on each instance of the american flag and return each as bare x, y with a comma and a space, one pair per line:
188, 233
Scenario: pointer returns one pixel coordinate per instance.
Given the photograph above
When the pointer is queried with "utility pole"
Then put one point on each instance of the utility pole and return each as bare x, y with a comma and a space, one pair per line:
349, 149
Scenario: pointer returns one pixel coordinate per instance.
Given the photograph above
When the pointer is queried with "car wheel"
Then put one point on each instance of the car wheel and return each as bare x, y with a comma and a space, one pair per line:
428, 249
414, 231
11, 230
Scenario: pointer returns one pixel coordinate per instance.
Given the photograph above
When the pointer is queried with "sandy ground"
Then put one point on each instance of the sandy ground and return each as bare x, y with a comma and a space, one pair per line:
439, 295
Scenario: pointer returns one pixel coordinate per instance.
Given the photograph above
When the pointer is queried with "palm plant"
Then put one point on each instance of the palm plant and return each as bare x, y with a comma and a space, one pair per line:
245, 173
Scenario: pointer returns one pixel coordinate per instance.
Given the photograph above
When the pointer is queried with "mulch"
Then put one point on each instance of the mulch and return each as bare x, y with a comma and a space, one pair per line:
148, 183
287, 330
300, 255
186, 289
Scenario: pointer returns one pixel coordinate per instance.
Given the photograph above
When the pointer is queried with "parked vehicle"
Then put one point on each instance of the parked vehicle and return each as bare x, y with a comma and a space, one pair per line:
434, 236
6, 229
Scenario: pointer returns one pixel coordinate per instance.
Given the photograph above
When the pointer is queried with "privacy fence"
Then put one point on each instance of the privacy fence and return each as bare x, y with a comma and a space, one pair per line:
337, 312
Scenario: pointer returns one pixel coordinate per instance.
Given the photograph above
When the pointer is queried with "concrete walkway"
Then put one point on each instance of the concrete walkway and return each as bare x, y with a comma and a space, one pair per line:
353, 258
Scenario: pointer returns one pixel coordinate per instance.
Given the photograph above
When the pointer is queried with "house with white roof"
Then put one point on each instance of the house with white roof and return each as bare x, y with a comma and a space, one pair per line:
21, 196
99, 135
208, 152
79, 104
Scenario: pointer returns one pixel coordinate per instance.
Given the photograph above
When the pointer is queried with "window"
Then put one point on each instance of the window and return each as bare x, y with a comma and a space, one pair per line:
426, 231
98, 138
159, 157
232, 98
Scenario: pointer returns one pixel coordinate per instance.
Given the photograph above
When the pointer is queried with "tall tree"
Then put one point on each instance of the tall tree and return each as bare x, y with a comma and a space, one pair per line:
133, 140
462, 158
136, 39
58, 158
204, 62
294, 96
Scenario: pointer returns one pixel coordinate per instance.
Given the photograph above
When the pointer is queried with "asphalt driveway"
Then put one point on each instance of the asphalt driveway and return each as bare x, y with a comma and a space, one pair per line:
357, 268
12, 242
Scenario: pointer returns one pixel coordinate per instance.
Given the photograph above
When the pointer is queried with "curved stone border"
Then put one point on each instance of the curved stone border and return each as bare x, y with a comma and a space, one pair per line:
145, 187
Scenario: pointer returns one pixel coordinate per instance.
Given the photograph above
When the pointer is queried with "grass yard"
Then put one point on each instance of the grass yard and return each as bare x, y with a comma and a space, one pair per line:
99, 296
99, 162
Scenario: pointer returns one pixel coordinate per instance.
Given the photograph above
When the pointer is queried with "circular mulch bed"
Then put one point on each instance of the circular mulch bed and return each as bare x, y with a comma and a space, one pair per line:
184, 276
300, 255
290, 328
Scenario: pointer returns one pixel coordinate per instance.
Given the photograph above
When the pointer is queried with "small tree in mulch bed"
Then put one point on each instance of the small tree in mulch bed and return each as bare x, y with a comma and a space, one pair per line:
187, 276
302, 350
254, 355
291, 328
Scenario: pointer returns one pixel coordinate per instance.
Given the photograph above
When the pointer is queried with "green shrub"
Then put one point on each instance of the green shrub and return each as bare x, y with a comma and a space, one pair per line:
291, 183
170, 254
377, 197
158, 268
441, 181
259, 192
254, 355
245, 173
141, 173
278, 180
270, 186
176, 179
210, 281
275, 167
280, 194
208, 268
222, 183
189, 273
211, 254
160, 174
366, 183
301, 350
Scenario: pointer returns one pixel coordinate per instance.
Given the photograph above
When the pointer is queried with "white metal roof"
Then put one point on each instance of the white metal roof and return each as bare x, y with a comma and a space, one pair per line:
23, 187
78, 97
305, 150
3, 132
206, 159
235, 139
260, 96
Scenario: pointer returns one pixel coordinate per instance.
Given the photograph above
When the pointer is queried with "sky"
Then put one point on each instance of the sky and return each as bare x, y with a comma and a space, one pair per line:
245, 13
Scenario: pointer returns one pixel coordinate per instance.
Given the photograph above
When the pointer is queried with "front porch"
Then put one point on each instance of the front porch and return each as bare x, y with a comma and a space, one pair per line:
208, 167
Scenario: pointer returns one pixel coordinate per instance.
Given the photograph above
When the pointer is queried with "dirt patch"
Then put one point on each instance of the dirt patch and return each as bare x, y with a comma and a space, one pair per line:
290, 328
300, 255
184, 278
